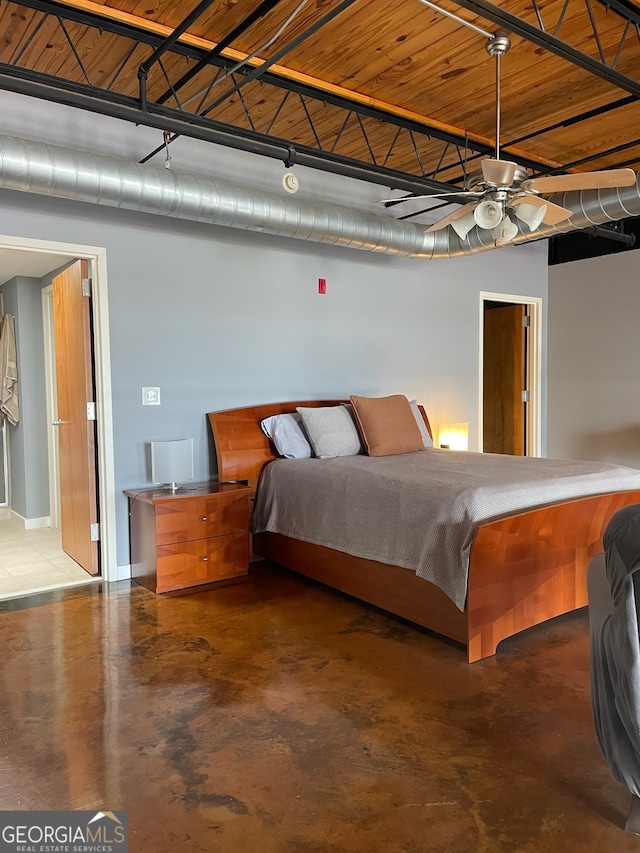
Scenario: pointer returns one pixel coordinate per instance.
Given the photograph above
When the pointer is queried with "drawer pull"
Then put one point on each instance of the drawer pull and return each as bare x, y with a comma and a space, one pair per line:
204, 518
205, 559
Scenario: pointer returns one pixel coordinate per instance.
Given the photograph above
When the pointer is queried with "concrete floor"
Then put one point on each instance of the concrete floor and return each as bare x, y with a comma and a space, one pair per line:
275, 716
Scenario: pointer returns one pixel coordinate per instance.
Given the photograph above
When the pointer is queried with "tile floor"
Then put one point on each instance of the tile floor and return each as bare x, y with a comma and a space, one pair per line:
33, 561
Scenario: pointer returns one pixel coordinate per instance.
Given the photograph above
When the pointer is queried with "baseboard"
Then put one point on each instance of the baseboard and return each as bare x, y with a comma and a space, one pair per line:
5, 513
123, 573
29, 523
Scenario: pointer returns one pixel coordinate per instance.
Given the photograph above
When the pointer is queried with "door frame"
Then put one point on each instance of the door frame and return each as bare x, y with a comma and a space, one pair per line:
52, 406
97, 257
534, 367
4, 450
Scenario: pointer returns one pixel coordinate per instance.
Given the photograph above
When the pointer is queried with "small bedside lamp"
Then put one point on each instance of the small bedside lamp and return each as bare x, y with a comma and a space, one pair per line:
454, 436
171, 462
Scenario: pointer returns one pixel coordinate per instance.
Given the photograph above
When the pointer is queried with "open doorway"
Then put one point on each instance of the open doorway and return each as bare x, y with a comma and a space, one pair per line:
31, 255
510, 370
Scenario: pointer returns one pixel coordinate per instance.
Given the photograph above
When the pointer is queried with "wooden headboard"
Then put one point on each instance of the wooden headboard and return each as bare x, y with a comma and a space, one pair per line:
242, 448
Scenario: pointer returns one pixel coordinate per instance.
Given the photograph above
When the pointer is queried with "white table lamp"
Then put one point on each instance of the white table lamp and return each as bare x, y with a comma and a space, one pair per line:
454, 436
172, 462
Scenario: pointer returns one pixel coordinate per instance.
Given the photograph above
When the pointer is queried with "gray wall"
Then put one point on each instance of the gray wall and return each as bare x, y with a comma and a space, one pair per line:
28, 455
594, 359
220, 317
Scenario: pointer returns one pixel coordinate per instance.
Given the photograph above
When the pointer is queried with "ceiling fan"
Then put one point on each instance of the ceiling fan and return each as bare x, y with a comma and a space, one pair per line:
502, 189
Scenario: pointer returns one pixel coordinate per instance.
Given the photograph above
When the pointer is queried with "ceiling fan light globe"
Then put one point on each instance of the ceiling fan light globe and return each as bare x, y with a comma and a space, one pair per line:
464, 224
505, 231
531, 215
488, 214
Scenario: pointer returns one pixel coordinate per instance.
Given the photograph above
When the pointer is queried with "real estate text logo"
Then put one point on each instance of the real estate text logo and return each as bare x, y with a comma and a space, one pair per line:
63, 832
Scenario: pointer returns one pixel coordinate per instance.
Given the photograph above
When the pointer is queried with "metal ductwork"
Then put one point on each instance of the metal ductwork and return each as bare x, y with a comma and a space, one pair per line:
61, 172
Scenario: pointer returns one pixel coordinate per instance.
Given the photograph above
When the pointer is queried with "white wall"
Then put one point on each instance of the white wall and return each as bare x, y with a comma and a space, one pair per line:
594, 360
28, 438
221, 317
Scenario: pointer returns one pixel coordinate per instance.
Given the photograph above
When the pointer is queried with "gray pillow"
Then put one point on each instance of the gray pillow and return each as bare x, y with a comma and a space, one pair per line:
285, 431
331, 430
426, 438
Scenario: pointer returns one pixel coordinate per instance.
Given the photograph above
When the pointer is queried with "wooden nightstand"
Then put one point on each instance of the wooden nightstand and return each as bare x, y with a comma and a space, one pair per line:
195, 535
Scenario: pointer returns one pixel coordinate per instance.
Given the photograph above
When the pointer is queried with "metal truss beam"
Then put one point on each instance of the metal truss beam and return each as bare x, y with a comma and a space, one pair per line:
416, 177
261, 10
570, 122
181, 122
182, 28
186, 124
539, 35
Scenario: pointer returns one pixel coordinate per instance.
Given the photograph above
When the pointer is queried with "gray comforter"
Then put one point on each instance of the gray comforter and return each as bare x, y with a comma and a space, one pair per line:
418, 510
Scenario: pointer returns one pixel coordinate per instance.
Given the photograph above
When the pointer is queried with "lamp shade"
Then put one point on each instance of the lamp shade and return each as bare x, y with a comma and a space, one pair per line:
531, 214
505, 231
463, 225
454, 436
488, 214
172, 462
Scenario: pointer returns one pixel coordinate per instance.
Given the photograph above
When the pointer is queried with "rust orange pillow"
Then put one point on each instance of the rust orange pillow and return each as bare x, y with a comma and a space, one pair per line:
387, 425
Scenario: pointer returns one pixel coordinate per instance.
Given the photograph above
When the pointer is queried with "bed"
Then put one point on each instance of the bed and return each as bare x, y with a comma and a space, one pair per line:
524, 568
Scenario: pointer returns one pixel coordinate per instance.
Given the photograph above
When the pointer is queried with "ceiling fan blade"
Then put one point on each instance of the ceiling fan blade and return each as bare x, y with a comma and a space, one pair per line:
462, 193
498, 172
554, 212
446, 220
607, 179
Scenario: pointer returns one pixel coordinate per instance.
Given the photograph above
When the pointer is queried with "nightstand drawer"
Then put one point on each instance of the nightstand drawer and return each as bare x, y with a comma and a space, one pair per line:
201, 561
201, 517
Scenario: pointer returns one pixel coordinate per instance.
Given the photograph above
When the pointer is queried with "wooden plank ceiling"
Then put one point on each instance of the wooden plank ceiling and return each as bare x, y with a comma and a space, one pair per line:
399, 58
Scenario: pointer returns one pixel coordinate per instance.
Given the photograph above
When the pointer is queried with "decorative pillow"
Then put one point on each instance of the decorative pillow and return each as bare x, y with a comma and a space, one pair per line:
424, 432
331, 430
387, 425
285, 431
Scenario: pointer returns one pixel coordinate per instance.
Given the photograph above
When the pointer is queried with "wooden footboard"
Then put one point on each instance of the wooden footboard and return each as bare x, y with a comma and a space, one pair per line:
531, 567
525, 569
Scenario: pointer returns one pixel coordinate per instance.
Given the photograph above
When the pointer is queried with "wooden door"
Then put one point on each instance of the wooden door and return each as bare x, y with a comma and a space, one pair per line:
77, 434
504, 379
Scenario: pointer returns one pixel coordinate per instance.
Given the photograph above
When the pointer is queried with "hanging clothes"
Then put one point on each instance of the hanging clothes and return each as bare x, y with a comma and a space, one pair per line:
9, 409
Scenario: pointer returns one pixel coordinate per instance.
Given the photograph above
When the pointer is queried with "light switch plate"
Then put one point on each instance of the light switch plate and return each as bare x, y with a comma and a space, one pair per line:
150, 396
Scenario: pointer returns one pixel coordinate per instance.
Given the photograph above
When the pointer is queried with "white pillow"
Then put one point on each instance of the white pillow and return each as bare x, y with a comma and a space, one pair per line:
285, 431
331, 430
426, 438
